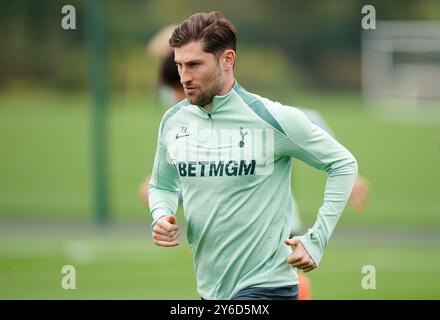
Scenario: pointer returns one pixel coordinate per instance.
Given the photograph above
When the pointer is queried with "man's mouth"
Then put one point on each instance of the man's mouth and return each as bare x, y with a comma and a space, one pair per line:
190, 89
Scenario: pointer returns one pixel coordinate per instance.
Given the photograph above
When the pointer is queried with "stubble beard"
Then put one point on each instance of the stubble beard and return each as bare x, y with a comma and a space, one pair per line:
205, 97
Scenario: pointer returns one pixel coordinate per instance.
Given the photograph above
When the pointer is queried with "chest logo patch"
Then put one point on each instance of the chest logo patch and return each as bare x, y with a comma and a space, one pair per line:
242, 134
182, 133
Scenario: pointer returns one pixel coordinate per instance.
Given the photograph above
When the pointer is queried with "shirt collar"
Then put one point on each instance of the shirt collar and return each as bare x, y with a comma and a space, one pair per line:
218, 101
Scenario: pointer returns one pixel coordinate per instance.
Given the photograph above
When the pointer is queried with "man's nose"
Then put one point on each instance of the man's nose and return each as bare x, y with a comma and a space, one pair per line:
185, 76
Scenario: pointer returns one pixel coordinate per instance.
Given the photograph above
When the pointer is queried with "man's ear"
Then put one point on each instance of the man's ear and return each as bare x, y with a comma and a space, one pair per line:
229, 57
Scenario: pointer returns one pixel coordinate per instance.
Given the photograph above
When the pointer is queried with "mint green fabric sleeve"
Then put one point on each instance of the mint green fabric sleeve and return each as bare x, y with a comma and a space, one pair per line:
307, 142
317, 119
163, 191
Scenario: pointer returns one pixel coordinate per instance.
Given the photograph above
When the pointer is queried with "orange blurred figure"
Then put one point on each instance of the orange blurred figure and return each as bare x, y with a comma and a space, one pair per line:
305, 292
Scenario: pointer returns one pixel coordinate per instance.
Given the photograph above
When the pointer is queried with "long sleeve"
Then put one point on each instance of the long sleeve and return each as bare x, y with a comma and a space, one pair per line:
317, 119
163, 192
307, 142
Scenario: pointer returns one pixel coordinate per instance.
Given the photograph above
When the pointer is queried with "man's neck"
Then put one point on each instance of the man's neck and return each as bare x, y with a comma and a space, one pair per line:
227, 88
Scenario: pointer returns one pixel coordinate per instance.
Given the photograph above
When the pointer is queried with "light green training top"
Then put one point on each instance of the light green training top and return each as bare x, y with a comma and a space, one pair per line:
317, 119
233, 168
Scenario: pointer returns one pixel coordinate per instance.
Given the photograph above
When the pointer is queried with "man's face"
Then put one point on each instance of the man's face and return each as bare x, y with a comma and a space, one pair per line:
200, 73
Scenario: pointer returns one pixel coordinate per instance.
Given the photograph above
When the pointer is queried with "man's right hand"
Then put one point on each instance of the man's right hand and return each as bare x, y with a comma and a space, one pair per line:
166, 232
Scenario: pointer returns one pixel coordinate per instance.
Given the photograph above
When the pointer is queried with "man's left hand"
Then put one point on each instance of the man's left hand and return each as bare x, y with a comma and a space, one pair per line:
299, 257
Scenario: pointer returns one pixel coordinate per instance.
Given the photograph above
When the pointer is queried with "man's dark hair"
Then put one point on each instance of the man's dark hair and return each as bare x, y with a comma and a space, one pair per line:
214, 30
168, 73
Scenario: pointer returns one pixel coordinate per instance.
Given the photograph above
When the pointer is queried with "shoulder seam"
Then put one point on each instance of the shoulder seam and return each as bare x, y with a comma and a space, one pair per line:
259, 108
170, 113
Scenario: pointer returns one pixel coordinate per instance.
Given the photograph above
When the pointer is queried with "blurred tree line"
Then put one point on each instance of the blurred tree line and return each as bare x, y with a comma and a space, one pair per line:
281, 43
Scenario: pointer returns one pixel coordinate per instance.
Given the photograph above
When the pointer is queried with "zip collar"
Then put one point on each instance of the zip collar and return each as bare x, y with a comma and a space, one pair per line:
218, 101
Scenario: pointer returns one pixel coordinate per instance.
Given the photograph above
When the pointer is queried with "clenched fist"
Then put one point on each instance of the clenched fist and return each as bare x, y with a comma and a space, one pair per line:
299, 257
166, 232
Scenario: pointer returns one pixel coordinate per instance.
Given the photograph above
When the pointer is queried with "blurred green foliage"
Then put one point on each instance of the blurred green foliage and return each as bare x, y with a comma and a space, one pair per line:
317, 41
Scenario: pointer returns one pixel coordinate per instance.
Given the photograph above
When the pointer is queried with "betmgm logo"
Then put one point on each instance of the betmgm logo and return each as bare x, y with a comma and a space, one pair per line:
236, 151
